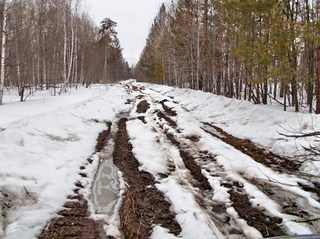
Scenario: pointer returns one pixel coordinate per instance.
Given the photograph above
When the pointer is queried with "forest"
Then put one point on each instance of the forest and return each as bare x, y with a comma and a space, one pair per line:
257, 50
54, 44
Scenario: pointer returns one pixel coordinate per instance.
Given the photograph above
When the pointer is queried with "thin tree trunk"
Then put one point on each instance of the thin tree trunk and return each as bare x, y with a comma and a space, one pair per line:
3, 50
318, 82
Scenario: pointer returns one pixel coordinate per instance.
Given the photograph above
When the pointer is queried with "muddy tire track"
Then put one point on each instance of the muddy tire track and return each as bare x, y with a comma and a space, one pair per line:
187, 158
260, 155
74, 221
189, 162
143, 205
268, 226
239, 199
265, 157
291, 204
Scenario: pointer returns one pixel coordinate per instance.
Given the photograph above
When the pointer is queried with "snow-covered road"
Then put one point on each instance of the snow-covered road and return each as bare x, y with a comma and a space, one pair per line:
220, 164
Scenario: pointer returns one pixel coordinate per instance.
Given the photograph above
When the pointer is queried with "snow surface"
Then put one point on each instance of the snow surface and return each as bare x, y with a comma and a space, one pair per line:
45, 141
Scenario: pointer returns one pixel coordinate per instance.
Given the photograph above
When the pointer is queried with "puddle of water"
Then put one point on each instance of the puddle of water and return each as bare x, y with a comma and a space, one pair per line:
106, 187
106, 183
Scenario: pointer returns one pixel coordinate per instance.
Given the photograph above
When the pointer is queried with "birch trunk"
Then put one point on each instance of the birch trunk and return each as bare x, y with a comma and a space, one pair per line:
67, 68
3, 49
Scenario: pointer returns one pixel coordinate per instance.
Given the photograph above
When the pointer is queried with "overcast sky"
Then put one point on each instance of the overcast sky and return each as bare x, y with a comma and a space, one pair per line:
134, 18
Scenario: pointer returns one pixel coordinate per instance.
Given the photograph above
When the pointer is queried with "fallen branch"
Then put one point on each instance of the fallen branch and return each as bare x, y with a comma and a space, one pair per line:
316, 133
276, 100
305, 220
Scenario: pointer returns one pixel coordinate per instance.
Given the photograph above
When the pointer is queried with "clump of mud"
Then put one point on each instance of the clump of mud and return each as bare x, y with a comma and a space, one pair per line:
143, 106
168, 110
161, 115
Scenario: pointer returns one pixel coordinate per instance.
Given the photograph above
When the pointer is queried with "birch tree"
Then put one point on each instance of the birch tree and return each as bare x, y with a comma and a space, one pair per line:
4, 9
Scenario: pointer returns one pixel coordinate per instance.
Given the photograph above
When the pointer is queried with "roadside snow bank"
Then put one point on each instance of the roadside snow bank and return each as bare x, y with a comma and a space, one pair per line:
261, 124
41, 153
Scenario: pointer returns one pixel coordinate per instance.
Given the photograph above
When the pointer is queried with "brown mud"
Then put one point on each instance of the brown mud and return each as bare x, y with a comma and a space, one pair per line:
266, 225
161, 115
143, 106
168, 110
189, 162
143, 205
187, 158
74, 223
315, 189
103, 138
291, 204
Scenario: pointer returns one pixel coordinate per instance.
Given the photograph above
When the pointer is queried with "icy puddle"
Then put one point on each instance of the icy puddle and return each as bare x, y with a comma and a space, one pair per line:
106, 183
106, 188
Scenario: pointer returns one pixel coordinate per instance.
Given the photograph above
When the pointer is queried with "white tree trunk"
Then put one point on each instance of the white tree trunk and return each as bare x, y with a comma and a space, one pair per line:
67, 67
3, 49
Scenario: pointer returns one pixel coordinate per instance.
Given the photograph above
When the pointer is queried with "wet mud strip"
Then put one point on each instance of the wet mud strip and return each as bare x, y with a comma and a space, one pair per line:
190, 163
161, 115
143, 106
315, 189
73, 221
168, 110
143, 205
187, 158
291, 203
268, 226
260, 155
103, 138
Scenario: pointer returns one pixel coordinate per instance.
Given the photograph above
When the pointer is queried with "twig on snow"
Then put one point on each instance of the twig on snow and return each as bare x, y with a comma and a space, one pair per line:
305, 220
27, 192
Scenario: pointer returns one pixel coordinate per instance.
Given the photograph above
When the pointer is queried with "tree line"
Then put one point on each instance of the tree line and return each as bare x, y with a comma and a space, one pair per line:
255, 50
55, 44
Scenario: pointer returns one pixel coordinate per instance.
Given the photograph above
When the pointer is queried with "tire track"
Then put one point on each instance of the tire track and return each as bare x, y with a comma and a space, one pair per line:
143, 205
267, 225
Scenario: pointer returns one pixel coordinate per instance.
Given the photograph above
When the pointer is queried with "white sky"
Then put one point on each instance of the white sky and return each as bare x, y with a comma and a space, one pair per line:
133, 17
